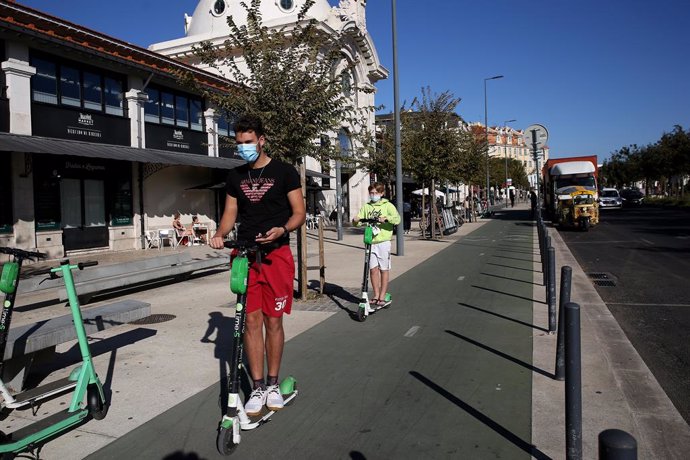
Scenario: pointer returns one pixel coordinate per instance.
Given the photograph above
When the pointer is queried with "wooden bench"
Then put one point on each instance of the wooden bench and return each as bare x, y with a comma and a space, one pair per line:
100, 279
25, 343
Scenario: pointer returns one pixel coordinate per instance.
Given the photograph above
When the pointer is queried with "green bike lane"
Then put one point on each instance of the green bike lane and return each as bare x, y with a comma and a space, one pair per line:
445, 372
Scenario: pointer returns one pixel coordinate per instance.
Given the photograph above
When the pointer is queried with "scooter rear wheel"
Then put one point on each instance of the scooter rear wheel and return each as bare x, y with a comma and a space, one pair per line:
224, 442
97, 407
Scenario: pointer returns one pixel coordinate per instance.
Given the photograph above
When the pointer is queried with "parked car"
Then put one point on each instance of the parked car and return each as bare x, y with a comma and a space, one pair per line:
632, 197
610, 198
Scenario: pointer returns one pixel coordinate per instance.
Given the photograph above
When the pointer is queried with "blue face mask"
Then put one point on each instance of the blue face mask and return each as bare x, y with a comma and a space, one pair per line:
374, 198
248, 152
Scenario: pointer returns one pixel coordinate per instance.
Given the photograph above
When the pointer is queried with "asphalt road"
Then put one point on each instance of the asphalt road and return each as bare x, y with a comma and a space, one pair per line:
645, 251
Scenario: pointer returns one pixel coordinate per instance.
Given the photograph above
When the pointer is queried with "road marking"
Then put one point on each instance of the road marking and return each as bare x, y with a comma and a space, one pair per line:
647, 241
413, 330
461, 278
481, 254
632, 304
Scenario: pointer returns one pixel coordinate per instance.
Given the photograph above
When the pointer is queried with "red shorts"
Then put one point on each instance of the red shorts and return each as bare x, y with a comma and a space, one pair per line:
271, 286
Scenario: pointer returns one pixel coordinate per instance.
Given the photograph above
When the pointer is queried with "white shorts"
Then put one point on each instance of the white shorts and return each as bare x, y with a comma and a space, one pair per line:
380, 255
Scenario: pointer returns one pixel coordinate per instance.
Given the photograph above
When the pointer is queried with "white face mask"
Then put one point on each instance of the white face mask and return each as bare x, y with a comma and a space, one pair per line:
374, 198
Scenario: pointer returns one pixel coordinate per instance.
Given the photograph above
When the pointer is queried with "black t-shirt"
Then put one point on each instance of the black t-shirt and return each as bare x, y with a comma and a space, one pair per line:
261, 194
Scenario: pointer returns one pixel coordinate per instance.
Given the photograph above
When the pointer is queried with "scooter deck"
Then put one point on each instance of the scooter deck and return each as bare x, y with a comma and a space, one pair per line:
266, 413
42, 391
58, 421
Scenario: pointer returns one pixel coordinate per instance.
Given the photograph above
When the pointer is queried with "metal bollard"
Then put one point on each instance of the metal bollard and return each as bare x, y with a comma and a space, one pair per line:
566, 283
551, 289
545, 261
573, 383
617, 445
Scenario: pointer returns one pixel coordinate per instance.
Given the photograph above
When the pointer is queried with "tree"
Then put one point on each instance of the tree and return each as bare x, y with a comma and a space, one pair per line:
291, 77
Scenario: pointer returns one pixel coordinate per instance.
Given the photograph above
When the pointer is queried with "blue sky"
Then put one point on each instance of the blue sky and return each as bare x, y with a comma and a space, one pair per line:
599, 75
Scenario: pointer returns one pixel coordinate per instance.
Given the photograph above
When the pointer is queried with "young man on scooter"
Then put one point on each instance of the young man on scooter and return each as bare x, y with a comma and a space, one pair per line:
267, 196
384, 211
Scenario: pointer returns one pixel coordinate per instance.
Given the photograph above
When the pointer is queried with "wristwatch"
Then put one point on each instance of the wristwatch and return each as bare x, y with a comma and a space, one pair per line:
286, 230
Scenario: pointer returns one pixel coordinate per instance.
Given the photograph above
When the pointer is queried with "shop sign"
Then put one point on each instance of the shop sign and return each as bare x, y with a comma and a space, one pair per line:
68, 123
176, 139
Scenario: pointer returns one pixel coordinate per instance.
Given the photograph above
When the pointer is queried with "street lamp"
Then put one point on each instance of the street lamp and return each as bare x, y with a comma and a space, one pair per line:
400, 240
505, 125
486, 130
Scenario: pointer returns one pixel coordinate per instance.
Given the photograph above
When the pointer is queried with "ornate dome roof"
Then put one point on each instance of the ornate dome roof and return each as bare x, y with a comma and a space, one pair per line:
210, 16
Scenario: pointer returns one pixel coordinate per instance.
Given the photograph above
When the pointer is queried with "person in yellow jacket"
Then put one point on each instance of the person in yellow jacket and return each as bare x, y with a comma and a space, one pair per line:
388, 217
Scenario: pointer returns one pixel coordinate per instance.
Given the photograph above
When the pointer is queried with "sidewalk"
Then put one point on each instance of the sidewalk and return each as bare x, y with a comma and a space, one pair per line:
150, 368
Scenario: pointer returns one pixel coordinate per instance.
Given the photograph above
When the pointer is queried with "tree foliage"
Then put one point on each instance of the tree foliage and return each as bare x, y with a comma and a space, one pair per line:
661, 161
291, 77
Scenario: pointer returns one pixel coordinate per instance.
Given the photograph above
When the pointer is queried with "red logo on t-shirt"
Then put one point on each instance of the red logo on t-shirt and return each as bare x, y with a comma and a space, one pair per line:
256, 189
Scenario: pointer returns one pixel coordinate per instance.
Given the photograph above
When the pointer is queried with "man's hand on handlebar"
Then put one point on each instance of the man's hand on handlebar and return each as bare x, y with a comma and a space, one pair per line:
216, 242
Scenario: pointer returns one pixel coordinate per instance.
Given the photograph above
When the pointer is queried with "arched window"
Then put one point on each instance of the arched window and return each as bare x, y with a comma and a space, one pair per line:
218, 7
346, 82
345, 143
286, 5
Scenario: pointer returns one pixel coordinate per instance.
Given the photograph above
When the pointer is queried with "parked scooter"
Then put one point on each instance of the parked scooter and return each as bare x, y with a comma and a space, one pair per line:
88, 397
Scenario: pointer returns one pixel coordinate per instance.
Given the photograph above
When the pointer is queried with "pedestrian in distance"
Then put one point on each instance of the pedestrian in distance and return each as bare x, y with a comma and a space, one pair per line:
384, 212
266, 194
407, 216
512, 197
533, 203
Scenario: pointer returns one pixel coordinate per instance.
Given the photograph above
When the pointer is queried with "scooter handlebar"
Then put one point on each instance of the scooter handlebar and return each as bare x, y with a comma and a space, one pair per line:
21, 253
90, 263
369, 221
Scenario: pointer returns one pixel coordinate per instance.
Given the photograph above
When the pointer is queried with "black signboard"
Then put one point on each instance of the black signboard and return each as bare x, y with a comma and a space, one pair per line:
175, 139
67, 123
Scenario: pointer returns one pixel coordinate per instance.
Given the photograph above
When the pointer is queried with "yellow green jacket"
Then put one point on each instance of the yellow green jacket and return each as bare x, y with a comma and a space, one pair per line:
382, 208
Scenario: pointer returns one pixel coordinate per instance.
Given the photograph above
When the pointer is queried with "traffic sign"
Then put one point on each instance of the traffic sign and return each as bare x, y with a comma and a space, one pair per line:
542, 135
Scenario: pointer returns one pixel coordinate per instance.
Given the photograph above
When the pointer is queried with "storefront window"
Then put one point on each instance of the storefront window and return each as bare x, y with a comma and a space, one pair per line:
181, 111
70, 86
152, 107
167, 109
174, 109
92, 91
78, 86
46, 200
121, 207
6, 220
196, 114
45, 81
113, 97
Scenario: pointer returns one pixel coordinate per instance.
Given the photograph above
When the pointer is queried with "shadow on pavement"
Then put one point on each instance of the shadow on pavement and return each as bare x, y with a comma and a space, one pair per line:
503, 317
508, 294
341, 296
179, 455
509, 279
501, 430
503, 355
514, 268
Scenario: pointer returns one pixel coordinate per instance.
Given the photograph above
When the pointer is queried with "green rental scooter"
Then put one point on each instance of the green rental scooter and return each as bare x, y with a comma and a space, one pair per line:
365, 309
83, 380
236, 418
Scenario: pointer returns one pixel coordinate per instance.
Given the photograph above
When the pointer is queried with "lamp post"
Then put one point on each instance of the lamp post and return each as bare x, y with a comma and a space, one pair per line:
486, 130
400, 239
505, 125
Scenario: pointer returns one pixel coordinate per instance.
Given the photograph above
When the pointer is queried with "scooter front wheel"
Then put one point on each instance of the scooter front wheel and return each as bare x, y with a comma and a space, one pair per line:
361, 314
225, 443
97, 407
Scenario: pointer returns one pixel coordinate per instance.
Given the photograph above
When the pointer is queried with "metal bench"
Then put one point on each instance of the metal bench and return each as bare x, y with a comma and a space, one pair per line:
25, 343
104, 278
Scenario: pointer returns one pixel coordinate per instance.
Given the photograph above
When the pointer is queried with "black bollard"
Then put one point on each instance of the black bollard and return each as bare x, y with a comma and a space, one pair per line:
617, 445
566, 283
545, 262
551, 289
573, 383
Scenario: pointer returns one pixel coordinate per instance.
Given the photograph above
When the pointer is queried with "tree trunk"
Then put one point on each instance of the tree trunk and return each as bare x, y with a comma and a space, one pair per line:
302, 241
432, 208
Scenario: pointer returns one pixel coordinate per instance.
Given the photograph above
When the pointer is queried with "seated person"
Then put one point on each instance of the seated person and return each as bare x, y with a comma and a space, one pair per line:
199, 230
180, 229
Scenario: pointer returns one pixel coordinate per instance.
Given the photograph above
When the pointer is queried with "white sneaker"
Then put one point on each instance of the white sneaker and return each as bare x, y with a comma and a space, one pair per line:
274, 400
256, 402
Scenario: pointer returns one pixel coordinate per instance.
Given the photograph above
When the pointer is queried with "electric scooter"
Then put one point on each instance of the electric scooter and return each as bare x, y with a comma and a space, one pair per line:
236, 418
365, 308
83, 380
